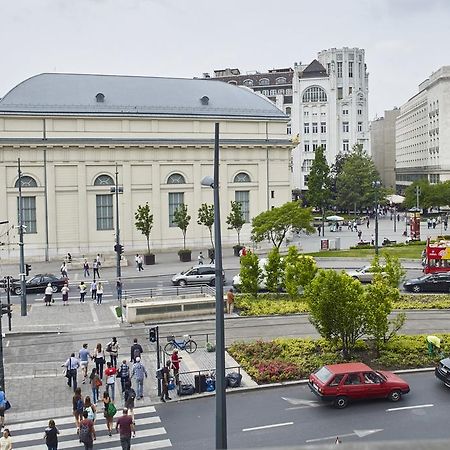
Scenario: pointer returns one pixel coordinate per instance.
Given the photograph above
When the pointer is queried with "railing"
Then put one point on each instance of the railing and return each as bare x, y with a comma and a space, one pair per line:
172, 291
189, 377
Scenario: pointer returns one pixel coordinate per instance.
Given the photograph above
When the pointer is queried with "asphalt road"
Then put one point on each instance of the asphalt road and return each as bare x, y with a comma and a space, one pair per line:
294, 416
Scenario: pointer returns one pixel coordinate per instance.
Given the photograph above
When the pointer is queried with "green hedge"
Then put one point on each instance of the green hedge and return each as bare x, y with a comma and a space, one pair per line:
287, 359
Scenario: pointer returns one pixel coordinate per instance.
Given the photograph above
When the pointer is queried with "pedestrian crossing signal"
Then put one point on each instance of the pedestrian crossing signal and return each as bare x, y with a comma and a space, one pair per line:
152, 334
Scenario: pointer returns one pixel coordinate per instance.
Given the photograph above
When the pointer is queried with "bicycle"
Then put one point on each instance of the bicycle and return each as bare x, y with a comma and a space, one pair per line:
186, 344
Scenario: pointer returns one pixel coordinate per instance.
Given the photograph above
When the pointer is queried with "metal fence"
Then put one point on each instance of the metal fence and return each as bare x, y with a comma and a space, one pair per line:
169, 291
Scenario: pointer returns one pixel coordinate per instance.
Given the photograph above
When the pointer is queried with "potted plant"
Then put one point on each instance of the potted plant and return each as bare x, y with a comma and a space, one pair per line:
181, 219
235, 221
206, 218
144, 223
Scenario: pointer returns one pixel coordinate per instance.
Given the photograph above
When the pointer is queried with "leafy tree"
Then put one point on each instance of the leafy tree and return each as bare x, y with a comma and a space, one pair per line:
319, 184
392, 269
206, 218
430, 195
250, 274
274, 270
235, 219
274, 224
181, 219
337, 308
299, 271
144, 222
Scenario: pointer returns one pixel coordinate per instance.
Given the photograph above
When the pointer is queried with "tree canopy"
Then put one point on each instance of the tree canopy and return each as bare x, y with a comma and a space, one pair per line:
319, 182
206, 218
430, 195
144, 222
181, 219
235, 219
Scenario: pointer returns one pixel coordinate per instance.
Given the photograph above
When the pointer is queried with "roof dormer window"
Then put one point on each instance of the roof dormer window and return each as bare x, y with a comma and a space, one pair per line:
204, 100
100, 97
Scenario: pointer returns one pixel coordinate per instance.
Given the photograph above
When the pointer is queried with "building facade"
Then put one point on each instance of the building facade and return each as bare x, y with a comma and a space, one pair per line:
72, 131
423, 133
382, 145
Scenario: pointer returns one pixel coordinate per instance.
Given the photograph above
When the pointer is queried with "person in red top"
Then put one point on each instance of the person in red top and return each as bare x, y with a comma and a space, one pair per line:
176, 365
110, 374
125, 426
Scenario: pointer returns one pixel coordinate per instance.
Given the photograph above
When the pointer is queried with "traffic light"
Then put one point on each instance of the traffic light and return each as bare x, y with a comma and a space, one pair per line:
27, 269
6, 309
118, 248
152, 334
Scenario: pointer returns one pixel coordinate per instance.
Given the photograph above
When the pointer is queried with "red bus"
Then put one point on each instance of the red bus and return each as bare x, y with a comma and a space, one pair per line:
436, 257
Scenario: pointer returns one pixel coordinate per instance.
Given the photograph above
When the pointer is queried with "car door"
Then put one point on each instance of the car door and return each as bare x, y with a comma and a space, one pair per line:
34, 284
431, 284
353, 386
366, 276
193, 276
445, 282
373, 385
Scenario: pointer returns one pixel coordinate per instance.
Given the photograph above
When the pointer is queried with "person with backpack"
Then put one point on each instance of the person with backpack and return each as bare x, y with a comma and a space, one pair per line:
136, 350
109, 411
124, 374
51, 435
125, 426
99, 358
113, 349
90, 408
87, 432
129, 397
71, 365
77, 407
165, 373
95, 384
110, 374
138, 373
2, 407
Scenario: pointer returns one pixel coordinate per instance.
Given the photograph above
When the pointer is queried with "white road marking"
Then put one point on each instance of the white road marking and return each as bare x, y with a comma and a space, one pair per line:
7, 343
299, 401
410, 407
359, 433
274, 425
94, 313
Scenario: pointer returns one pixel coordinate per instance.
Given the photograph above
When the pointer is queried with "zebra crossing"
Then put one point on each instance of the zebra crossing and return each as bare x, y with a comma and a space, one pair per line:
150, 434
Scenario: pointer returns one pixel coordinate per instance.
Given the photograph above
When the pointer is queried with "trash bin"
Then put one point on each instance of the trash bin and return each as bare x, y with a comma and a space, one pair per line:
119, 311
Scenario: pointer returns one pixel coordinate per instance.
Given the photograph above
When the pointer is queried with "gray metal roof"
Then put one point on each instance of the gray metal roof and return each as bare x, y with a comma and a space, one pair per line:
58, 93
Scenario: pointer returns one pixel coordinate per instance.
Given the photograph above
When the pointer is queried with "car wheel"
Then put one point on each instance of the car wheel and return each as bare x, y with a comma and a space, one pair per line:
182, 283
54, 289
395, 396
416, 288
17, 290
341, 402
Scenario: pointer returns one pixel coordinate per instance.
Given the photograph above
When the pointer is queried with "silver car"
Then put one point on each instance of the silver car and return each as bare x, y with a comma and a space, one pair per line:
365, 274
201, 274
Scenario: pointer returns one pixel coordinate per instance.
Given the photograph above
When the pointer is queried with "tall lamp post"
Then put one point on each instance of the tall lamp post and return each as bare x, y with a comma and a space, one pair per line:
376, 184
221, 407
23, 286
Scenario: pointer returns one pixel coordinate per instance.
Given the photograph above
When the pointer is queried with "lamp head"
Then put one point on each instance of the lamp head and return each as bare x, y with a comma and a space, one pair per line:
208, 181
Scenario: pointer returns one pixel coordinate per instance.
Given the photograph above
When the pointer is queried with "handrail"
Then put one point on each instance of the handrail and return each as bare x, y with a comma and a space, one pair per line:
153, 292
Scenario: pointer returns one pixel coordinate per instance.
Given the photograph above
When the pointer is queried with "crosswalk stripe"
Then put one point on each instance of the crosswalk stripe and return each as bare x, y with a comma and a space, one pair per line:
148, 445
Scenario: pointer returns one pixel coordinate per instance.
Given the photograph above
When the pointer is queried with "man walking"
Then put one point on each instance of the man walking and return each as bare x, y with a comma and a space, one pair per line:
125, 426
95, 266
94, 290
136, 350
87, 432
230, 301
63, 270
165, 382
139, 372
84, 354
86, 268
140, 263
71, 365
82, 287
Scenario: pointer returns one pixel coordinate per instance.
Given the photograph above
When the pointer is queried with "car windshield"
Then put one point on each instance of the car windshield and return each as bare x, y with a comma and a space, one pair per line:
323, 374
425, 277
186, 271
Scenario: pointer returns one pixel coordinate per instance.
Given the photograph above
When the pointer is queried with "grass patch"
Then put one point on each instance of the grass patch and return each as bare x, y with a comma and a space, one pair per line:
402, 252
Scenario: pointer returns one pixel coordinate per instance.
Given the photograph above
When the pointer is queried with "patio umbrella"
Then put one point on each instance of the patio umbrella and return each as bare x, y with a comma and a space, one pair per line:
334, 218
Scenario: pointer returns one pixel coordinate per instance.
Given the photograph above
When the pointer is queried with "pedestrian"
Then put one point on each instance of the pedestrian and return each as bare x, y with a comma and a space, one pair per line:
86, 268
83, 289
77, 407
136, 260
65, 294
110, 374
48, 294
372, 240
165, 382
200, 258
230, 301
90, 408
5, 440
69, 257
138, 373
113, 349
2, 408
212, 255
129, 396
136, 350
119, 289
99, 358
176, 359
96, 382
98, 259
368, 223
95, 267
99, 293
108, 411
87, 432
434, 221
51, 435
83, 355
360, 235
124, 374
63, 270
93, 289
72, 365
125, 426
140, 263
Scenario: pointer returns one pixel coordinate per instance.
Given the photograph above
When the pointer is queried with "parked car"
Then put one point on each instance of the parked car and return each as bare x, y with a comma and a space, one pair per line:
38, 283
433, 282
442, 371
365, 274
341, 383
201, 274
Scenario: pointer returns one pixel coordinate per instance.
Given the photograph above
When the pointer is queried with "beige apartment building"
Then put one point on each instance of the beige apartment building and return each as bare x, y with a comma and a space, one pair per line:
71, 130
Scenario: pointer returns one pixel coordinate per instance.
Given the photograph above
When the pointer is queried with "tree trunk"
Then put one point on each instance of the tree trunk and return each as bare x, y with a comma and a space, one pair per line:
148, 244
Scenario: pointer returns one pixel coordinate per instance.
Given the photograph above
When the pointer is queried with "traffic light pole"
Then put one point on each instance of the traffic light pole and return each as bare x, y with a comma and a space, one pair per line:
2, 368
8, 300
153, 336
118, 249
23, 287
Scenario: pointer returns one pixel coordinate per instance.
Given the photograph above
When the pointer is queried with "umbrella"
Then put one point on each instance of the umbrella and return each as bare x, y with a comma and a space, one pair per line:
395, 199
335, 218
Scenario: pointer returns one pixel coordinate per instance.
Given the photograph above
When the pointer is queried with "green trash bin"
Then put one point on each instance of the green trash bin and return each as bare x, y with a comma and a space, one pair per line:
119, 311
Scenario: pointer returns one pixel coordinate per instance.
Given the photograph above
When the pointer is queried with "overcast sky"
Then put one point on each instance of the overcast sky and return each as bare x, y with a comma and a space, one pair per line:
405, 40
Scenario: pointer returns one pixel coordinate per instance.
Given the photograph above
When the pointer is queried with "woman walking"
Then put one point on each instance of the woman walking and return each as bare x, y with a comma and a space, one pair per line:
51, 435
77, 407
107, 412
5, 440
99, 357
99, 292
94, 290
82, 287
95, 384
2, 407
48, 294
90, 408
113, 350
110, 374
65, 294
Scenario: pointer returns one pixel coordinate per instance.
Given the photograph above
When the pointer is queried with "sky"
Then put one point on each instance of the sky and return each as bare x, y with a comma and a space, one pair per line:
405, 40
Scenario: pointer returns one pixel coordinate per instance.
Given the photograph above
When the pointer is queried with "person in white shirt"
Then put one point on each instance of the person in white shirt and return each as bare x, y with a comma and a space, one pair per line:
48, 294
72, 365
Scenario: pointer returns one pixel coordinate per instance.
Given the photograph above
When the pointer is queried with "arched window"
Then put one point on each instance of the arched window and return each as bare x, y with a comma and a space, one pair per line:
288, 110
100, 97
248, 82
264, 81
242, 177
176, 178
104, 180
314, 94
26, 182
280, 80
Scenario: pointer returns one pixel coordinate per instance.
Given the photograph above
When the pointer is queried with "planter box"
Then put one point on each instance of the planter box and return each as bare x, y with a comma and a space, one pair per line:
149, 260
185, 255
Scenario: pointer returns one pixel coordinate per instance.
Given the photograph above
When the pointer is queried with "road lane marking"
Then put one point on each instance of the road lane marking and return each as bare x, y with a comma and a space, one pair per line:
299, 401
94, 313
274, 425
359, 433
410, 407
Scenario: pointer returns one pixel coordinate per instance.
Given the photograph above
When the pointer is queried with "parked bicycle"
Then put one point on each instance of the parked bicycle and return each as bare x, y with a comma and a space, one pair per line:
186, 344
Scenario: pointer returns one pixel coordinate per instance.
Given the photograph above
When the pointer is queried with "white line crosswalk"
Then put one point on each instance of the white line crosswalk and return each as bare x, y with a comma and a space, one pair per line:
149, 433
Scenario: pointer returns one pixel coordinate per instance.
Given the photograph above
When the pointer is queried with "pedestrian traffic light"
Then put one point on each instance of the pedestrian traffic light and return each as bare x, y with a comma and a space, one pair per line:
152, 334
118, 248
6, 309
27, 269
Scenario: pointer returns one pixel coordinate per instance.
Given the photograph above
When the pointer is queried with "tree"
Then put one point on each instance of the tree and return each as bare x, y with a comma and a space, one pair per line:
250, 274
337, 308
235, 219
144, 222
274, 270
319, 184
275, 223
299, 271
181, 219
393, 271
206, 218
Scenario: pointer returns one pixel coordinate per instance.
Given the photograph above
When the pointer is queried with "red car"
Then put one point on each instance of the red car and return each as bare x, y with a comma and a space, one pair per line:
340, 383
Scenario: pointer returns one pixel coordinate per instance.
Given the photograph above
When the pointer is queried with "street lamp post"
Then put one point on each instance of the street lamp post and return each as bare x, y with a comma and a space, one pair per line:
23, 286
376, 184
221, 408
